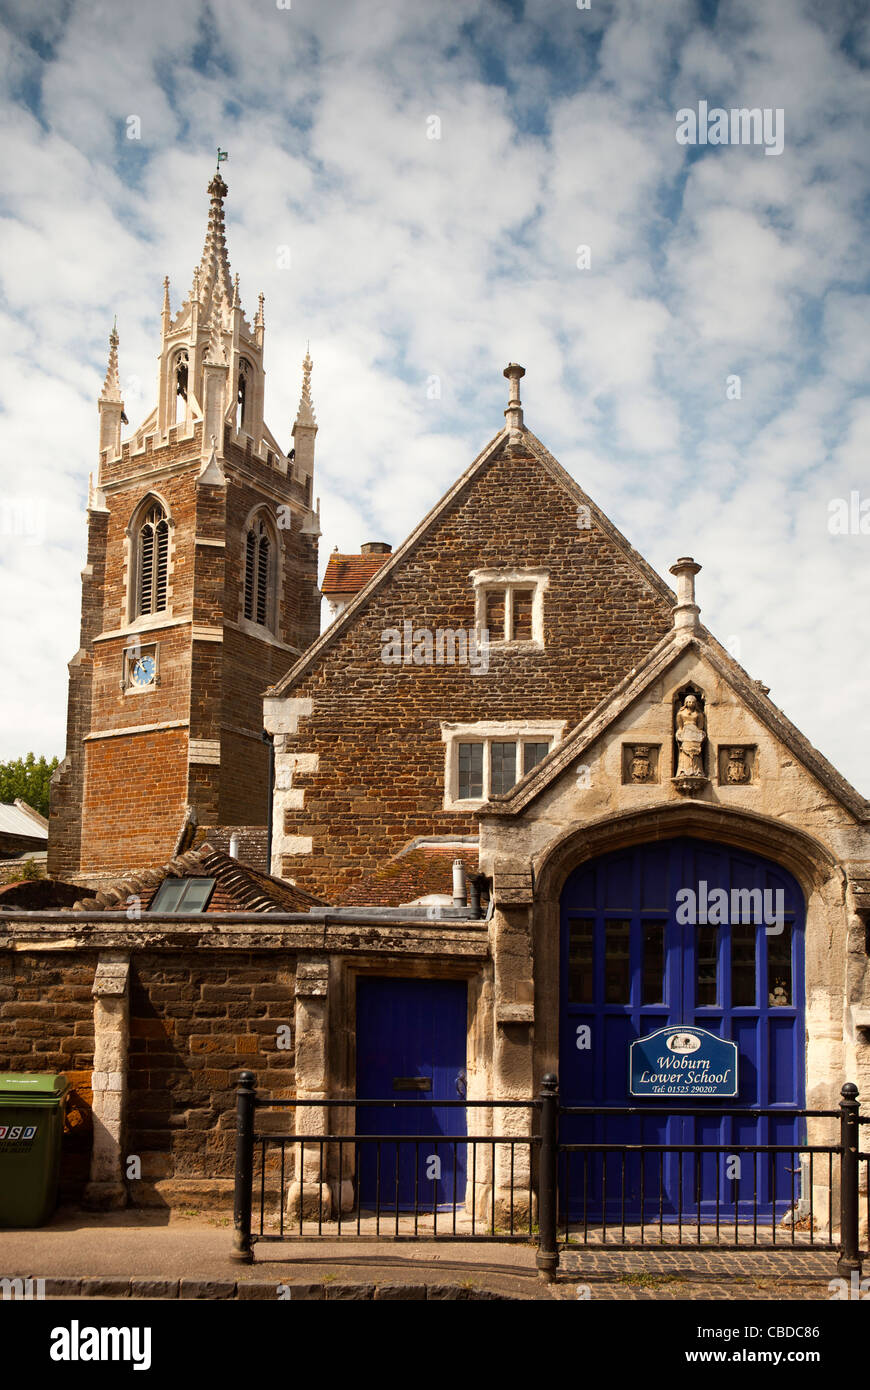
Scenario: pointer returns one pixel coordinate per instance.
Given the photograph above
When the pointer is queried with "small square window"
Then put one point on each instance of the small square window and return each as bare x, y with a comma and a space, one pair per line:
184, 895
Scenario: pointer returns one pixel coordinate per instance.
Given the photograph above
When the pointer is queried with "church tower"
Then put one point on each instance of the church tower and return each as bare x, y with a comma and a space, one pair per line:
200, 589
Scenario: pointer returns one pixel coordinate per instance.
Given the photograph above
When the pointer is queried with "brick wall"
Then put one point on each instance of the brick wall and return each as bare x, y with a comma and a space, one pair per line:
375, 728
196, 1021
118, 803
135, 795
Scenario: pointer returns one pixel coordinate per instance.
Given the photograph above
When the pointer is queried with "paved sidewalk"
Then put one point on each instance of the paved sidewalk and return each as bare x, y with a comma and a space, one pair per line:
151, 1254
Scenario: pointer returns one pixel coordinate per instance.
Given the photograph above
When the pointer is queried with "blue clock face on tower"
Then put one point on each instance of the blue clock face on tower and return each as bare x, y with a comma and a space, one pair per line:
143, 670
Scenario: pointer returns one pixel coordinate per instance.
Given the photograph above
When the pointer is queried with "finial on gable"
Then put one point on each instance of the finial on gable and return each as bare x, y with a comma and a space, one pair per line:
514, 413
686, 613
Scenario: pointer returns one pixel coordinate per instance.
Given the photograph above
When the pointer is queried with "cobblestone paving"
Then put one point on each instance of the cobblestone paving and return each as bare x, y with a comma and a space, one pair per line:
697, 1274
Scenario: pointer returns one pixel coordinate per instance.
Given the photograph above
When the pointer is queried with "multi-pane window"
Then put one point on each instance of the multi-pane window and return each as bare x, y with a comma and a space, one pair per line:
152, 562
503, 767
471, 771
258, 570
186, 895
489, 767
534, 753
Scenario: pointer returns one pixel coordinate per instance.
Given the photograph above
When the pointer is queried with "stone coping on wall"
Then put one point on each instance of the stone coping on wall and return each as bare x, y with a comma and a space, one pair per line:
348, 933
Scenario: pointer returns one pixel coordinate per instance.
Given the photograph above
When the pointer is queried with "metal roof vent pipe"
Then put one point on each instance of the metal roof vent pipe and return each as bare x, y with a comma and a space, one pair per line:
234, 845
459, 884
476, 885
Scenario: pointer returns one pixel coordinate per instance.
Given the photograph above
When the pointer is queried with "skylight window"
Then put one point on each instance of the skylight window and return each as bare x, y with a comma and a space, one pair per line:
184, 895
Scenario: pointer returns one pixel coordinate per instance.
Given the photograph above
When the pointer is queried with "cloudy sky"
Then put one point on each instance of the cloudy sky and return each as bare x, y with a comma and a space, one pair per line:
413, 258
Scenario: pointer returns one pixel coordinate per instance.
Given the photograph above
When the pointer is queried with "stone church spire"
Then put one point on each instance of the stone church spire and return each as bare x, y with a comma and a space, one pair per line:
214, 265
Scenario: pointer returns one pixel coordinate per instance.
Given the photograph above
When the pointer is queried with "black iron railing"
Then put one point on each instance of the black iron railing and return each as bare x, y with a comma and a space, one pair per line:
531, 1185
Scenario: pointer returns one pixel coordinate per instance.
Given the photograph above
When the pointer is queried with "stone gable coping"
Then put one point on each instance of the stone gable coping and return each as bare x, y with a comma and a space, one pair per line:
661, 658
503, 439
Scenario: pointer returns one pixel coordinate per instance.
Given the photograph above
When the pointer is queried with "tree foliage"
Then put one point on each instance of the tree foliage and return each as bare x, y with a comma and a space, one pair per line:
27, 778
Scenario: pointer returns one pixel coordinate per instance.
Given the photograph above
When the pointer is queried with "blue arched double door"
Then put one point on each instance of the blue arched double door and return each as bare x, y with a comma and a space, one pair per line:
636, 955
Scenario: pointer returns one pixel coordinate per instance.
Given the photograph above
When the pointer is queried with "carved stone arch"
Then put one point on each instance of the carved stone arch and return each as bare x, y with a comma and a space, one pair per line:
811, 862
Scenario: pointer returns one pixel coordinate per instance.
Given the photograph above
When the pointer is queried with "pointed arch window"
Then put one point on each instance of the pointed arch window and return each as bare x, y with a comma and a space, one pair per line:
243, 403
259, 569
152, 562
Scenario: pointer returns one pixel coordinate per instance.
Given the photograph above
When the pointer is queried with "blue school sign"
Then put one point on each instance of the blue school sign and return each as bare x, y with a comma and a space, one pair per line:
688, 1062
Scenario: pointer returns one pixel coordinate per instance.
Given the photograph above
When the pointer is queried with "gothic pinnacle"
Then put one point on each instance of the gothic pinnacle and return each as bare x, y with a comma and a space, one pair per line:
214, 264
216, 356
305, 414
112, 385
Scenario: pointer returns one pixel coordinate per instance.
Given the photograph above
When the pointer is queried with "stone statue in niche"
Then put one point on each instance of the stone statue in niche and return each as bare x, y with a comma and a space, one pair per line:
737, 772
690, 734
641, 769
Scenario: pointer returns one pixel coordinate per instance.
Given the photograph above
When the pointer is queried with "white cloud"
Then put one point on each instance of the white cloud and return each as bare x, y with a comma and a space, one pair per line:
413, 258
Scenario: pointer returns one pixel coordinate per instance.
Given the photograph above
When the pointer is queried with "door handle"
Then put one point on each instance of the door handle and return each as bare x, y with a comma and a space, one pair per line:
462, 1084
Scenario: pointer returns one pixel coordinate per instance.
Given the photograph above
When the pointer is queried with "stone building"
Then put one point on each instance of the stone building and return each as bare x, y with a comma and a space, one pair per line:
525, 810
200, 588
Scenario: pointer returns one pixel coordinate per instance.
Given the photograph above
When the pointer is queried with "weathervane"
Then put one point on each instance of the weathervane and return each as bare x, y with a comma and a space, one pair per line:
222, 154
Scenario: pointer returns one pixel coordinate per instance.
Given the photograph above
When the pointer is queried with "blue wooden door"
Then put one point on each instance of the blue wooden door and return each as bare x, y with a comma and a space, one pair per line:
630, 964
411, 1040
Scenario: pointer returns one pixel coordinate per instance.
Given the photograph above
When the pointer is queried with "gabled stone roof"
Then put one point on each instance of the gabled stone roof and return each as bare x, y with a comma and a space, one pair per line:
505, 439
238, 887
664, 655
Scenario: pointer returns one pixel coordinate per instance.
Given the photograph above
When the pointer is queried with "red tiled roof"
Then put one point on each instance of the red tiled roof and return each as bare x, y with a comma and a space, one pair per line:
238, 886
410, 875
347, 574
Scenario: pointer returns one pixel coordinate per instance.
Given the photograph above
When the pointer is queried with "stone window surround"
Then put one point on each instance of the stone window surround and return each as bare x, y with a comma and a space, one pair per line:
276, 569
490, 731
485, 580
130, 619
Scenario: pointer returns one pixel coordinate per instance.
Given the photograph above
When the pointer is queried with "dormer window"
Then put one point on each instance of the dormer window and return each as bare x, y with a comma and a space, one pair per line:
509, 604
151, 540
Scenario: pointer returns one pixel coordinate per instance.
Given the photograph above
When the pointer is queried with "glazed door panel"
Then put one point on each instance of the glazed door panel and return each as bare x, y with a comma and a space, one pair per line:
631, 962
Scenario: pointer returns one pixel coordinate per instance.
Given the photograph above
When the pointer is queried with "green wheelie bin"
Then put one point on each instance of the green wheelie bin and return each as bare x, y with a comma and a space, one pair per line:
31, 1124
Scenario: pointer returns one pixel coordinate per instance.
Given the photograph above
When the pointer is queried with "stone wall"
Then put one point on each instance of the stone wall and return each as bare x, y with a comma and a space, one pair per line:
47, 1025
360, 757
196, 1021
